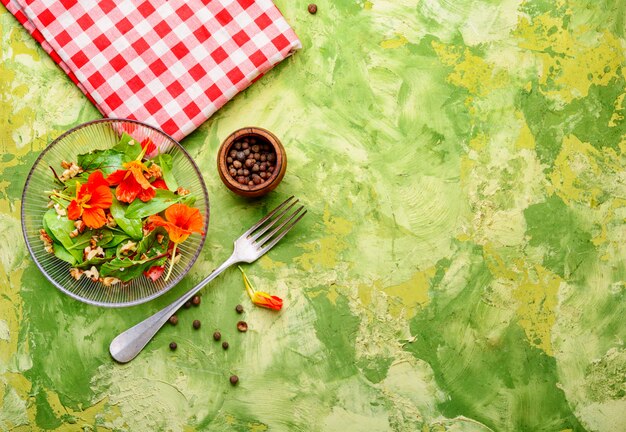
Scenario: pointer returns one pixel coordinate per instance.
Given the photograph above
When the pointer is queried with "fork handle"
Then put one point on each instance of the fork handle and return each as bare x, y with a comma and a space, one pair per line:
128, 344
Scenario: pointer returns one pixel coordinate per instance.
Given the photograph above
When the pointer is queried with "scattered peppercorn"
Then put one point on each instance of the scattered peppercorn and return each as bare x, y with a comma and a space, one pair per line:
242, 326
312, 8
196, 300
173, 346
234, 379
196, 324
239, 308
187, 305
173, 320
225, 345
217, 335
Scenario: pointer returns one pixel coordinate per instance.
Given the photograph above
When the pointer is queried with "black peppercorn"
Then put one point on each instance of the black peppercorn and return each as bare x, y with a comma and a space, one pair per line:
196, 324
234, 379
239, 308
173, 346
173, 320
217, 335
242, 326
312, 8
225, 345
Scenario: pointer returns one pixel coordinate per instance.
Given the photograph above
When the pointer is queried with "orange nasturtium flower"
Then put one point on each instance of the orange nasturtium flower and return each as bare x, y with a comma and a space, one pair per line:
261, 298
92, 198
131, 182
180, 221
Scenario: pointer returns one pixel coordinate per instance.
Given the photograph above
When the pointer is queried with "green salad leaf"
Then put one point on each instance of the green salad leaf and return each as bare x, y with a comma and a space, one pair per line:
150, 245
116, 240
93, 262
130, 151
103, 235
131, 226
59, 228
128, 269
107, 161
163, 199
63, 253
167, 165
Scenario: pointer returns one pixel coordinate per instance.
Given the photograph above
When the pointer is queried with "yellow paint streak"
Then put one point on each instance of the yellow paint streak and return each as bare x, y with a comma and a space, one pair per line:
496, 264
22, 387
10, 301
395, 42
324, 251
332, 294
101, 412
466, 168
11, 313
572, 60
18, 46
479, 142
618, 113
535, 291
578, 171
537, 297
269, 264
411, 295
257, 427
365, 294
526, 139
573, 160
602, 237
470, 71
463, 237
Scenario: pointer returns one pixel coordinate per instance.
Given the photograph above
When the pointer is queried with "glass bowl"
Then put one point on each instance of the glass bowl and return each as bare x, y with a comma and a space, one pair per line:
98, 135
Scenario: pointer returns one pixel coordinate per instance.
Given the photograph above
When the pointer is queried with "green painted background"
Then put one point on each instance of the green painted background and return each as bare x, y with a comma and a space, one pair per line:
462, 266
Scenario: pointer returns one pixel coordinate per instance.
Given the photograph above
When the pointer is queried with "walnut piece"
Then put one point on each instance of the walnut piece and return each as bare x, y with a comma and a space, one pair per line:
92, 273
109, 280
129, 246
76, 273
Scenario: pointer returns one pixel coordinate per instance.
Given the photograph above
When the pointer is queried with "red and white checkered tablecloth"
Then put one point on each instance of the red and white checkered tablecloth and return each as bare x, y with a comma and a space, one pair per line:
171, 63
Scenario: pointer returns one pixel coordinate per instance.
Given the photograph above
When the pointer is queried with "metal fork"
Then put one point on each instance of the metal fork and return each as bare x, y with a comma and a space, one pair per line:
248, 248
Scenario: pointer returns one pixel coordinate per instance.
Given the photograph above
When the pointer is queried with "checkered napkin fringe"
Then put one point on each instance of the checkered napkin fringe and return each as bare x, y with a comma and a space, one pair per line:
171, 63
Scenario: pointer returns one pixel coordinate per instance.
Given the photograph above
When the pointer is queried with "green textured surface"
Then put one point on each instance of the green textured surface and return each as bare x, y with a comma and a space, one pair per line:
461, 267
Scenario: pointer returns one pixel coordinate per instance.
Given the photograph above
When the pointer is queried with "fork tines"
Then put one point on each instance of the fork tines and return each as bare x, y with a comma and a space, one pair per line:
281, 219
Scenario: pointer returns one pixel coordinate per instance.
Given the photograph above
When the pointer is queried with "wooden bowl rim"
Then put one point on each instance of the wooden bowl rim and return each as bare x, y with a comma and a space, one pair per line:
279, 150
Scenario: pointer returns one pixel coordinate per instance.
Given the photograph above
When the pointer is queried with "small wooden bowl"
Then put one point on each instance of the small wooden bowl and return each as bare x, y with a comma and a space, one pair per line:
263, 136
